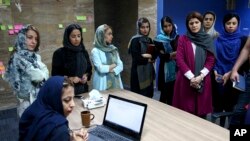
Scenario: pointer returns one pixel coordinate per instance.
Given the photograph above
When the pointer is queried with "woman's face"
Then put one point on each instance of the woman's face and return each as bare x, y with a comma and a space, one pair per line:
231, 25
194, 25
108, 37
31, 40
144, 29
75, 37
68, 100
167, 28
208, 21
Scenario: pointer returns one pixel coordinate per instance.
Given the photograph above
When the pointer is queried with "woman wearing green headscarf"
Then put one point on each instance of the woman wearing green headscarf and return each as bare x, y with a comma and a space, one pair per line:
106, 60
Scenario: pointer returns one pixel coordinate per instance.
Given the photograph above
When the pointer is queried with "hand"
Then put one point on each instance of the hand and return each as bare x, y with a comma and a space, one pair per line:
193, 83
84, 78
146, 55
219, 78
235, 76
162, 52
111, 67
75, 79
151, 61
196, 81
225, 77
81, 135
173, 55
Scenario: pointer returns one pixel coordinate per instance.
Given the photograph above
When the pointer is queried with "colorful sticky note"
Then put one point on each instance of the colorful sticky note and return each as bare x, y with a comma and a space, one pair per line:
81, 18
11, 32
11, 49
3, 27
7, 2
16, 30
60, 25
84, 30
18, 26
10, 26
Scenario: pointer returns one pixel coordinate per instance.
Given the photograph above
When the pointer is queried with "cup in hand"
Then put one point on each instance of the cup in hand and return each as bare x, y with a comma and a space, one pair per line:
86, 118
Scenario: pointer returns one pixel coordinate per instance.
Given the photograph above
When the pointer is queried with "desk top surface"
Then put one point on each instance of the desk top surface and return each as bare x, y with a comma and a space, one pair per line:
162, 122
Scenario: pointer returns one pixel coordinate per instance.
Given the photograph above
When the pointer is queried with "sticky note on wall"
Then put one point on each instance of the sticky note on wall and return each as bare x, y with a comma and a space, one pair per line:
3, 27
81, 18
84, 30
7, 2
10, 26
11, 32
60, 26
10, 49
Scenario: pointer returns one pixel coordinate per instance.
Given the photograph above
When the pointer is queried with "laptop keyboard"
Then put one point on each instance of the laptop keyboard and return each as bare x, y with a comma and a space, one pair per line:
107, 135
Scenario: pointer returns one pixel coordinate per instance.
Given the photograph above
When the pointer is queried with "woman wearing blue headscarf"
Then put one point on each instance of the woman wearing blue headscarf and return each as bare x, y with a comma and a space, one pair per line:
168, 39
45, 119
228, 47
106, 60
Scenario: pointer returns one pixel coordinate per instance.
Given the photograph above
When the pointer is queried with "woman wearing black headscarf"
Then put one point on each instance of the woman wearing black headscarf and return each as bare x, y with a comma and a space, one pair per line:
72, 59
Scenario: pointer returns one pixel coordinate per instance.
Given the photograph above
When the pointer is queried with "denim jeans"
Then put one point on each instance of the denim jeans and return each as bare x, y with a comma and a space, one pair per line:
239, 109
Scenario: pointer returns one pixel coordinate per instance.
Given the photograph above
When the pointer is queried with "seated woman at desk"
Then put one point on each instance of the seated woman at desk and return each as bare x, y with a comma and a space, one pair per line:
46, 119
106, 60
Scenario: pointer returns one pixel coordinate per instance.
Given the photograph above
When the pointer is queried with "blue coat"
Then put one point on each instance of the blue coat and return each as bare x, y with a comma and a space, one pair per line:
100, 74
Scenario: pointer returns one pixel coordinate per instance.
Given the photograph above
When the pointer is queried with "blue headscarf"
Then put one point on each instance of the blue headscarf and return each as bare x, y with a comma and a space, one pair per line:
228, 46
45, 114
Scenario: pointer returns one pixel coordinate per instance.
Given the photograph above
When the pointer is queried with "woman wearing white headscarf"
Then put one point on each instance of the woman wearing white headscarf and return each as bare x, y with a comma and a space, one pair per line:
106, 60
209, 19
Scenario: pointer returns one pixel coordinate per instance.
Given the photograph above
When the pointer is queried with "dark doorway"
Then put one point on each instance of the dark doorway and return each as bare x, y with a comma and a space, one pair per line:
122, 17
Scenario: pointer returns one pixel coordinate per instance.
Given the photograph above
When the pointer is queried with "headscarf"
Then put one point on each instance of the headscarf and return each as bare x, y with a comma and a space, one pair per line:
111, 54
21, 54
228, 46
145, 72
212, 32
163, 37
170, 66
139, 23
45, 114
203, 43
77, 52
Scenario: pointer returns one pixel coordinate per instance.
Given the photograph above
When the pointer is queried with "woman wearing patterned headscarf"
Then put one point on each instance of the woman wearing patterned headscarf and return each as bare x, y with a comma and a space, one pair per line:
25, 71
195, 59
167, 42
106, 60
72, 59
142, 70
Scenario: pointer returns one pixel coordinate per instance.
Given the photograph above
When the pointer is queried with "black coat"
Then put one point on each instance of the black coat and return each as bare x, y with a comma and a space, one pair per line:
64, 64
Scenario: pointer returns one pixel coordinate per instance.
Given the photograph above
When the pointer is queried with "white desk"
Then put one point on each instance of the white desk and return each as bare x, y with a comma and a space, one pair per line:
162, 122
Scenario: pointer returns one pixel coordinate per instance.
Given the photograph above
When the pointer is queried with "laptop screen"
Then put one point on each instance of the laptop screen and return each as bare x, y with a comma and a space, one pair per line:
124, 114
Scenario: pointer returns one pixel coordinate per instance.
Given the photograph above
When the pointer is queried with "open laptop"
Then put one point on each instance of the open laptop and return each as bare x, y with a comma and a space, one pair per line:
123, 119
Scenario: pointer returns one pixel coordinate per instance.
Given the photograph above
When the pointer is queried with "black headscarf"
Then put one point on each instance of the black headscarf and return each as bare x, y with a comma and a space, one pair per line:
79, 66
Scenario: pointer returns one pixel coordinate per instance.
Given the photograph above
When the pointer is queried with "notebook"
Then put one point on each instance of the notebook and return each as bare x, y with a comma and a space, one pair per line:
240, 85
159, 45
123, 118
